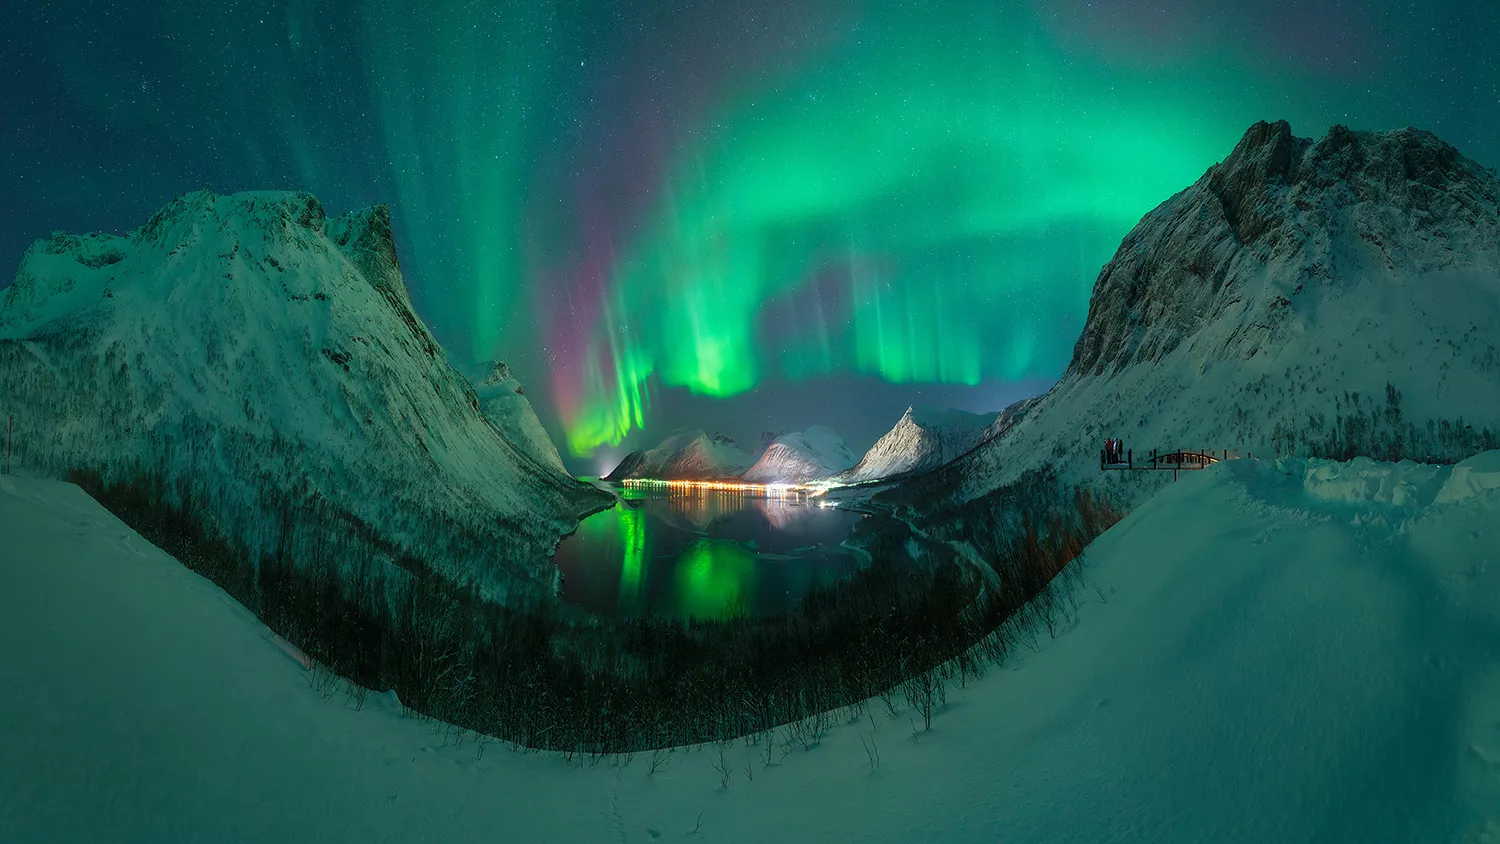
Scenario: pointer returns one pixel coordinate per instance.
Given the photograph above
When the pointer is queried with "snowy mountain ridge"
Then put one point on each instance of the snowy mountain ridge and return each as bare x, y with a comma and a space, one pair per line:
504, 404
1327, 298
687, 455
801, 456
261, 356
922, 439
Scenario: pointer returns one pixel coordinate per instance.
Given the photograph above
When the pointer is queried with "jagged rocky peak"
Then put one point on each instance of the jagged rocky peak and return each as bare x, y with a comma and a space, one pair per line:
502, 401
1263, 159
278, 234
1267, 151
499, 376
1331, 298
922, 439
1401, 167
191, 214
1274, 219
766, 438
366, 237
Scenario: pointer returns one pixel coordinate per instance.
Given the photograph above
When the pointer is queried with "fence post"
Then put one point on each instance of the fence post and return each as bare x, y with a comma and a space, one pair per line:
1130, 457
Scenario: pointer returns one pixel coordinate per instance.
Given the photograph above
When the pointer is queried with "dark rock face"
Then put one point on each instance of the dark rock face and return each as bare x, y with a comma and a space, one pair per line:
1262, 159
367, 235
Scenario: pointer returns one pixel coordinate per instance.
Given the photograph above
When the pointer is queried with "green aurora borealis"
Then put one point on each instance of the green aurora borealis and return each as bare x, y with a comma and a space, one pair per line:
919, 200
635, 203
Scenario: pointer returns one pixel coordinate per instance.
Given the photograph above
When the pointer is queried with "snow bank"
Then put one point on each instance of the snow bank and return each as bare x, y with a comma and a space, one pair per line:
1476, 476
1362, 480
1250, 660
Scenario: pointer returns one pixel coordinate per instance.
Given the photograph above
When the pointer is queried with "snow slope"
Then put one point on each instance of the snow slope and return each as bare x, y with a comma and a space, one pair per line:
689, 455
505, 405
922, 439
261, 356
1334, 298
801, 456
1292, 651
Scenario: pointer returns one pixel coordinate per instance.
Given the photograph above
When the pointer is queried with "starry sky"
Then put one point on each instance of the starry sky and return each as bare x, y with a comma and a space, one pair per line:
742, 216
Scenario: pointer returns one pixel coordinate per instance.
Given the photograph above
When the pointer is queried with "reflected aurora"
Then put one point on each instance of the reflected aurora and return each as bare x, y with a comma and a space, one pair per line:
703, 553
716, 579
632, 533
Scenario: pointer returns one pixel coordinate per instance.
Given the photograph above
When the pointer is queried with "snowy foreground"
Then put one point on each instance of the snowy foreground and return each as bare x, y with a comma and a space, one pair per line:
1264, 652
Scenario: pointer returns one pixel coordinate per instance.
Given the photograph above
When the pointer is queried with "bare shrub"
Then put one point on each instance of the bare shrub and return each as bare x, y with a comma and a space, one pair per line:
545, 676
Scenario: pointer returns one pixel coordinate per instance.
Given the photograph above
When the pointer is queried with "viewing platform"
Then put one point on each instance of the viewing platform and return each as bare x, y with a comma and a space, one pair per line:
1113, 457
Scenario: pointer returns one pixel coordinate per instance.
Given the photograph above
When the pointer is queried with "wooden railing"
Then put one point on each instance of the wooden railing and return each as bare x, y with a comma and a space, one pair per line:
1182, 460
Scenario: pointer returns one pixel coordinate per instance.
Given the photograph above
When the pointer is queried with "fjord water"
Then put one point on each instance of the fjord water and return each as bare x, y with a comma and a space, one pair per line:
703, 554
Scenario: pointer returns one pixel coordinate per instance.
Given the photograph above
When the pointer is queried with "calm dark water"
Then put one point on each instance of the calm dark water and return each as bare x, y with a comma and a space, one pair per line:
703, 554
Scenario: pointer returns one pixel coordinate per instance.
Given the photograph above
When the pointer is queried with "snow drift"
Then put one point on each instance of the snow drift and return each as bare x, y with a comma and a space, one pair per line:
255, 356
1266, 651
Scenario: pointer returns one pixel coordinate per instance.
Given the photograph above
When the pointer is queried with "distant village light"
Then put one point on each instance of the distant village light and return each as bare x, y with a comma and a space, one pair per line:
768, 490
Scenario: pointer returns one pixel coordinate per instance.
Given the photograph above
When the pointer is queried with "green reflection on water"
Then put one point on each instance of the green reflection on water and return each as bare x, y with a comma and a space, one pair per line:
698, 556
632, 531
715, 579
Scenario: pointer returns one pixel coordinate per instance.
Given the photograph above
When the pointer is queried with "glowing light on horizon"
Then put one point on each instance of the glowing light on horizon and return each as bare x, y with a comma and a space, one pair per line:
767, 490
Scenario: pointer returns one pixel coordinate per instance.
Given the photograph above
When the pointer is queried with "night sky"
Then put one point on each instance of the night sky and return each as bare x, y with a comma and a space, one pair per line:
741, 216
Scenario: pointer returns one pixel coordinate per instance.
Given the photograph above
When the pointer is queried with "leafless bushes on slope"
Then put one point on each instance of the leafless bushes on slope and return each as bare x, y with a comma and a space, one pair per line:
542, 677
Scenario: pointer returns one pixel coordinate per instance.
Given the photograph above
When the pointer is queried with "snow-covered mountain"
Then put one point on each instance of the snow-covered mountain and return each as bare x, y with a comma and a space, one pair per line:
1324, 298
503, 402
766, 438
800, 456
1007, 418
688, 455
923, 439
260, 358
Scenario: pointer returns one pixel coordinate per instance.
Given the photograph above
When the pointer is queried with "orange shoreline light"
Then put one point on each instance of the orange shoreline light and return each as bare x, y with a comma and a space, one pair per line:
769, 490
